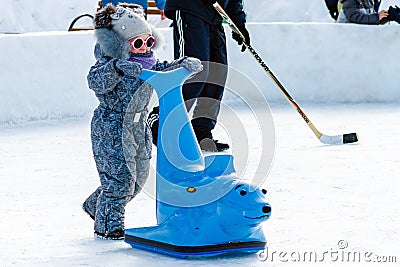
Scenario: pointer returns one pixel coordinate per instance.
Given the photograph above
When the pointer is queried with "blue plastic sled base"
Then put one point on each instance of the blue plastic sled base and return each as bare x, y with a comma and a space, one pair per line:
194, 251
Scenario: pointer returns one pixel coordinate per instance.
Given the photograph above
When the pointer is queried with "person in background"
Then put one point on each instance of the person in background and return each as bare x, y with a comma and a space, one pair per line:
121, 139
362, 12
198, 32
160, 4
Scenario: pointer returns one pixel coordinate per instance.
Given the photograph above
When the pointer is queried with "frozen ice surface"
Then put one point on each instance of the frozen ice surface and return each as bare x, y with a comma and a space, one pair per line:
319, 194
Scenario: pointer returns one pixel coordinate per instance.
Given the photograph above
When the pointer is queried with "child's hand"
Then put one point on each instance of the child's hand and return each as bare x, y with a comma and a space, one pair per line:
192, 64
129, 68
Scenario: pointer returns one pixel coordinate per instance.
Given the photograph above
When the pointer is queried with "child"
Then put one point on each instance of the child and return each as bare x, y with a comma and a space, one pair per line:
121, 139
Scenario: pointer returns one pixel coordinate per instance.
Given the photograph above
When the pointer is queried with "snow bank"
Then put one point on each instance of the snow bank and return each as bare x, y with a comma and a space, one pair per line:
44, 74
325, 62
20, 16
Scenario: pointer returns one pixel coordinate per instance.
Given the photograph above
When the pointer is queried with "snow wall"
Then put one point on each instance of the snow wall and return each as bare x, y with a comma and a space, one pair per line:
43, 75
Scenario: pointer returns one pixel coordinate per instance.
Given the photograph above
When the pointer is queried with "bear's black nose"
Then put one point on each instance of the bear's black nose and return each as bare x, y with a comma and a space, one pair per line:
266, 209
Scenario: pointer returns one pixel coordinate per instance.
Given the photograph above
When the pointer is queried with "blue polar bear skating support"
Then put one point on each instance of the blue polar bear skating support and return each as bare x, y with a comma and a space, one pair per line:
203, 208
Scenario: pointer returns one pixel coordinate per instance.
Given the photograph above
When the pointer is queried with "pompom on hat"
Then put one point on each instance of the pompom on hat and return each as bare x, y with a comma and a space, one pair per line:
125, 21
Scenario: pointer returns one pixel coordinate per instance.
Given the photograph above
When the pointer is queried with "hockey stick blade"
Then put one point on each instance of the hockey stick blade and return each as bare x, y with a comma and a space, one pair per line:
339, 139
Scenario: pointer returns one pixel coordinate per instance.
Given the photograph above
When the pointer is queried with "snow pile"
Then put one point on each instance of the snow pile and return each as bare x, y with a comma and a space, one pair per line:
44, 74
17, 16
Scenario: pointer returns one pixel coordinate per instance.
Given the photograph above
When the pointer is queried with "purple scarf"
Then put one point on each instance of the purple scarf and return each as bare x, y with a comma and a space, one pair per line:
147, 59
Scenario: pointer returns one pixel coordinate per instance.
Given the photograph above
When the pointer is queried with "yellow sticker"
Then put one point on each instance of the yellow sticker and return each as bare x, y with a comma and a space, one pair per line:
191, 189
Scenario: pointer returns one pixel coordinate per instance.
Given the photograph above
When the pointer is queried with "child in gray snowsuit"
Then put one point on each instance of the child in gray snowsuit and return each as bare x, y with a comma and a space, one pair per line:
121, 139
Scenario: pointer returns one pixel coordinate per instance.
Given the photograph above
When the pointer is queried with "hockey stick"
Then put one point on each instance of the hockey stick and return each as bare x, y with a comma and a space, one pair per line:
326, 139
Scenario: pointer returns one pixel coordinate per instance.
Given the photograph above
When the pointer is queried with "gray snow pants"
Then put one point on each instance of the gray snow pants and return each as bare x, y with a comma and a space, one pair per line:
122, 154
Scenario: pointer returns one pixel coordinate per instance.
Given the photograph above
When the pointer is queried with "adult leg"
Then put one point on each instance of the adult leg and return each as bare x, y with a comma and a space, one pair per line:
192, 39
208, 104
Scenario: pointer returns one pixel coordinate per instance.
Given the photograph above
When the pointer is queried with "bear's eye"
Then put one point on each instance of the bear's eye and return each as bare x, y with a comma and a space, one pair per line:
243, 192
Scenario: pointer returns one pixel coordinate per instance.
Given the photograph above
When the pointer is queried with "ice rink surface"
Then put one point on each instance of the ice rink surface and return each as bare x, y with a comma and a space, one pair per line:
335, 204
331, 205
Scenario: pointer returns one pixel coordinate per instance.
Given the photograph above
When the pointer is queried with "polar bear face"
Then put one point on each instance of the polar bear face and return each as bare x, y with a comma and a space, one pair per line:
242, 210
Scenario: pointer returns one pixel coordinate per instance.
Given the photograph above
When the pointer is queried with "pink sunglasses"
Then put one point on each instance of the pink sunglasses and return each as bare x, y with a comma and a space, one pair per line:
139, 42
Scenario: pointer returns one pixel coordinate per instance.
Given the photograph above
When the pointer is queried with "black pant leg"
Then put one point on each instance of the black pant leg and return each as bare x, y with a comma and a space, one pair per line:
195, 37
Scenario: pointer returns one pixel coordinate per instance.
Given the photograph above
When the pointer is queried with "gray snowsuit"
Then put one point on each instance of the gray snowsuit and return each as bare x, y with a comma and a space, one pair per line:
121, 139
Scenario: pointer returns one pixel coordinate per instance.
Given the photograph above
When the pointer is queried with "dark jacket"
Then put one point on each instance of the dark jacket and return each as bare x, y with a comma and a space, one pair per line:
358, 11
205, 10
